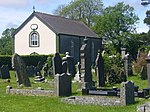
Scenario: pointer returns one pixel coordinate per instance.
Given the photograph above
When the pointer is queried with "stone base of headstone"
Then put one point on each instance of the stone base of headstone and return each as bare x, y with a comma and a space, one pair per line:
85, 91
39, 79
63, 84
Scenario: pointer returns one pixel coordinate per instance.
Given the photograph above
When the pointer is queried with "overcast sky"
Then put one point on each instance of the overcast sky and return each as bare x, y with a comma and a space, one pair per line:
14, 12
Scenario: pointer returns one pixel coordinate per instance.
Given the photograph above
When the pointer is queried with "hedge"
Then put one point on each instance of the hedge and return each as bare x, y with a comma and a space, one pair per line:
28, 59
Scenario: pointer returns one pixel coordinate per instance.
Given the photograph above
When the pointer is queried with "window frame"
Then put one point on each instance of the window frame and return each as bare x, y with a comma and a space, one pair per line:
34, 40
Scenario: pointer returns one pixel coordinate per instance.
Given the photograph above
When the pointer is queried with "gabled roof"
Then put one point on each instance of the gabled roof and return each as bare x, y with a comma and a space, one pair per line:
61, 25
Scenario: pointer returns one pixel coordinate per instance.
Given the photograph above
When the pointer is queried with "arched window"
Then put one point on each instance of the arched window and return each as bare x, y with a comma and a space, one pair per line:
34, 39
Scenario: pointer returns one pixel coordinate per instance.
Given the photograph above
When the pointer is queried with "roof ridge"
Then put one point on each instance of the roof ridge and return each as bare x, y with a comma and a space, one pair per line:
76, 20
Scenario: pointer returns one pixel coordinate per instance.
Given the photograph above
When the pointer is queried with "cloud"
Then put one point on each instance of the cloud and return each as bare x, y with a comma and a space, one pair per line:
14, 3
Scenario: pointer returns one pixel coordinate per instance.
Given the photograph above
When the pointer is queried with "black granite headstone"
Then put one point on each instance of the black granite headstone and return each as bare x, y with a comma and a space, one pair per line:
5, 72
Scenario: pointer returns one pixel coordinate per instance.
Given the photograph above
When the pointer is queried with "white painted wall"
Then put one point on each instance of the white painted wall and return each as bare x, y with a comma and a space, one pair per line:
47, 39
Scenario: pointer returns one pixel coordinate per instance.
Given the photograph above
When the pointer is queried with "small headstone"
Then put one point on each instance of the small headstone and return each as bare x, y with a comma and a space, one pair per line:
70, 64
123, 77
143, 73
127, 93
5, 72
57, 64
63, 84
77, 77
100, 70
30, 71
148, 70
45, 70
20, 70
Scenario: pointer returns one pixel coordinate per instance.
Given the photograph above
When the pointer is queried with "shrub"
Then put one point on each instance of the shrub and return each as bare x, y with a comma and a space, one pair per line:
140, 62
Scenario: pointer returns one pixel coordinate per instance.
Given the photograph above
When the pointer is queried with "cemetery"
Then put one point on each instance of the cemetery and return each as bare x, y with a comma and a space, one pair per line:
84, 58
73, 85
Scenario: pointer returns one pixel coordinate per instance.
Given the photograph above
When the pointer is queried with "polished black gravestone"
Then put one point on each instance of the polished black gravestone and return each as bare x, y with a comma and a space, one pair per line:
57, 64
5, 72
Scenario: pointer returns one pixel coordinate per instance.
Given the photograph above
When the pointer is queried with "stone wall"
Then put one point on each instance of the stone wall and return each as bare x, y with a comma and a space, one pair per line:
28, 92
92, 100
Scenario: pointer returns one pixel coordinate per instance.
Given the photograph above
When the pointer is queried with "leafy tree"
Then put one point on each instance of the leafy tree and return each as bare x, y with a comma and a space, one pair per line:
116, 24
84, 10
147, 19
6, 42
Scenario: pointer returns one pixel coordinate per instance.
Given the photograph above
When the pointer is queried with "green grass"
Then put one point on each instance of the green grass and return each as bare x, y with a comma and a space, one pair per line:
19, 103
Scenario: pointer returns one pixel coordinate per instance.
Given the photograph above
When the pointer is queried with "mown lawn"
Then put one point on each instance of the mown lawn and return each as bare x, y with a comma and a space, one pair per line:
19, 103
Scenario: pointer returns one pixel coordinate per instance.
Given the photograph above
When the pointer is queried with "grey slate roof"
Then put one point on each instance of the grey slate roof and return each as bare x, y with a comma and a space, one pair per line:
61, 25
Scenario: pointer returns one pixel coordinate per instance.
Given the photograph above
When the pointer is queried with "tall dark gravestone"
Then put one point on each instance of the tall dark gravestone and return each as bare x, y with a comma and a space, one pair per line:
57, 64
20, 70
100, 69
86, 75
5, 72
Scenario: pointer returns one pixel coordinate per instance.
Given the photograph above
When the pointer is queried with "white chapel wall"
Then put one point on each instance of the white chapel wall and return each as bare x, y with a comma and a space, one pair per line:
47, 39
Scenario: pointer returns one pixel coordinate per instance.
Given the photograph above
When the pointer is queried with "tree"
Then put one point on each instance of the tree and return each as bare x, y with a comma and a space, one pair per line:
84, 10
147, 19
6, 42
116, 24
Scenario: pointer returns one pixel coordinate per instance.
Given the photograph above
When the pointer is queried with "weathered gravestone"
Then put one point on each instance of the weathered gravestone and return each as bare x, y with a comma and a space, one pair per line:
100, 70
70, 64
148, 70
30, 71
45, 70
5, 72
127, 93
20, 70
63, 84
77, 77
57, 64
143, 73
86, 75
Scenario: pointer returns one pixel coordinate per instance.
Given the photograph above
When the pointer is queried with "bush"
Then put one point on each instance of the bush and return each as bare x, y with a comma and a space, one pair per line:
140, 62
113, 68
28, 59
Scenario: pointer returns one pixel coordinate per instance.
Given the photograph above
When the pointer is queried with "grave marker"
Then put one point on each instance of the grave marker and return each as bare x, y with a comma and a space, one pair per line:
5, 72
20, 70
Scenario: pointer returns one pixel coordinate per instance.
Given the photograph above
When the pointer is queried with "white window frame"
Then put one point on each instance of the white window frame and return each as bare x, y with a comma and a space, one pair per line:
34, 39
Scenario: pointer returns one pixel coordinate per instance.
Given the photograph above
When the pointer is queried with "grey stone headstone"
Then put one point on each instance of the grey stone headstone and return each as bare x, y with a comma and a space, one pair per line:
63, 86
86, 75
100, 70
143, 73
148, 70
5, 72
57, 64
45, 70
127, 93
70, 64
20, 70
